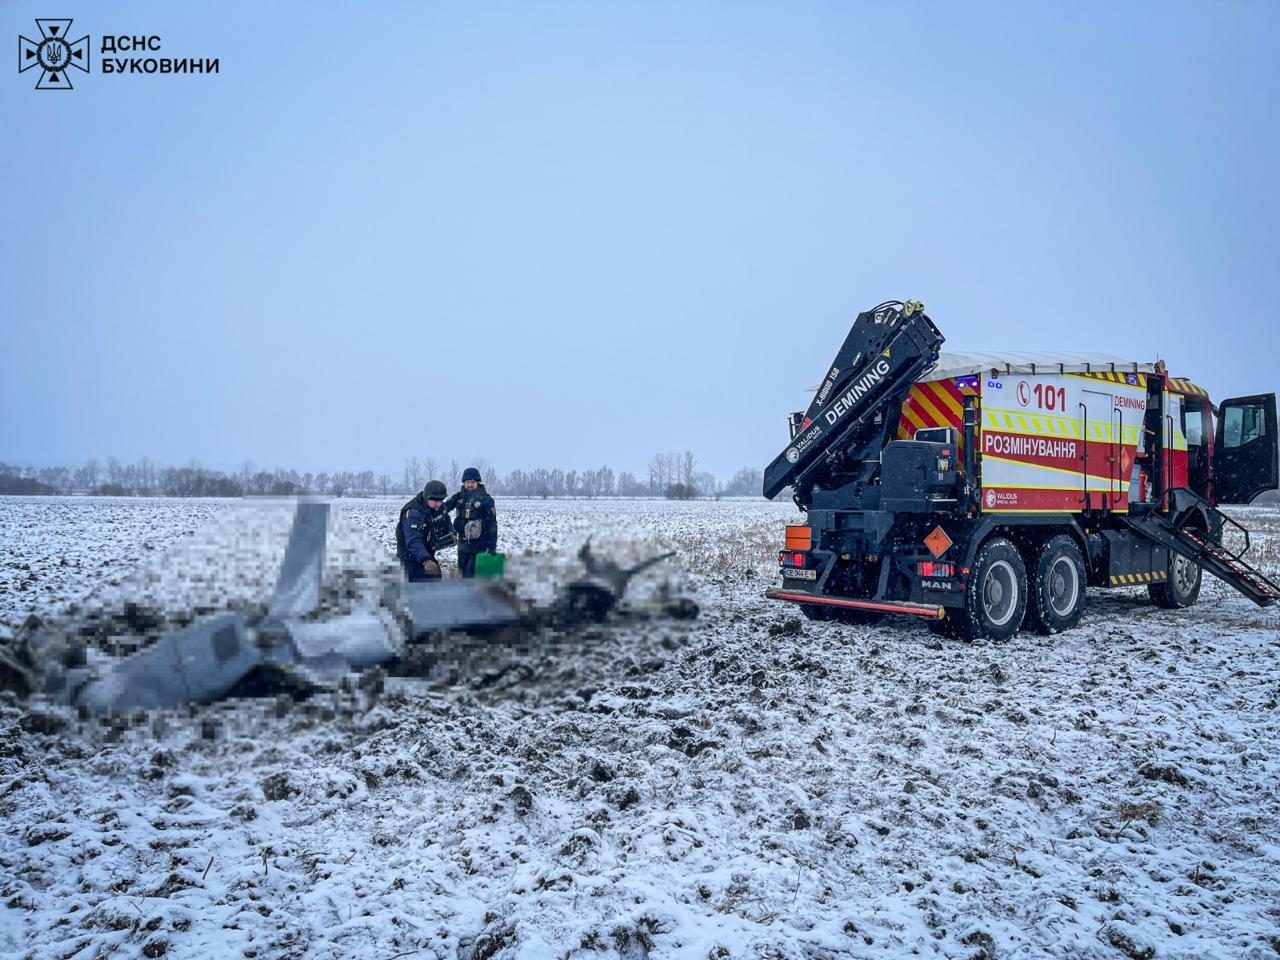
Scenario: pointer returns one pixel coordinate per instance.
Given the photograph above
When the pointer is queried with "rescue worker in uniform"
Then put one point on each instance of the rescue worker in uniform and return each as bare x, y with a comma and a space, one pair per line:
423, 529
476, 521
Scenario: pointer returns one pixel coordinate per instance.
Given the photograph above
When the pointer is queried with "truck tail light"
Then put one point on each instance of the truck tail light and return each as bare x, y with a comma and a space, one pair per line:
799, 538
791, 559
932, 568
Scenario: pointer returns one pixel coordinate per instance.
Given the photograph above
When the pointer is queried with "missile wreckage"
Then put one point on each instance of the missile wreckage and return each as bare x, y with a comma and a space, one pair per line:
294, 647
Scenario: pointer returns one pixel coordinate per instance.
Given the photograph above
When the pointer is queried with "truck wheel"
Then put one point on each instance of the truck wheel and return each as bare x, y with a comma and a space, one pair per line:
1181, 587
996, 598
1057, 589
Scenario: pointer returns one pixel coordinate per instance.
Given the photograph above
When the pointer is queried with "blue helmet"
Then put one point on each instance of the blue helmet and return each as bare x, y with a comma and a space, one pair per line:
471, 473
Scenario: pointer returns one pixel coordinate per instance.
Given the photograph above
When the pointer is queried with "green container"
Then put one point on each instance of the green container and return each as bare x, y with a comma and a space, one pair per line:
491, 564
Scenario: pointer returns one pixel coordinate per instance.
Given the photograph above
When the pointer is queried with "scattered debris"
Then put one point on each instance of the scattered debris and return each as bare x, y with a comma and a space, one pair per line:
290, 649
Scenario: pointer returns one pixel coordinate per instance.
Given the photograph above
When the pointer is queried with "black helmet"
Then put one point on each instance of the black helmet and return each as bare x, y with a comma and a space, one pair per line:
471, 473
434, 490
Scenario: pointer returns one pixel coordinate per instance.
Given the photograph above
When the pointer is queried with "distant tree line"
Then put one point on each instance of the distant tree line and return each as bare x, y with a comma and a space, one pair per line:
147, 479
675, 476
672, 475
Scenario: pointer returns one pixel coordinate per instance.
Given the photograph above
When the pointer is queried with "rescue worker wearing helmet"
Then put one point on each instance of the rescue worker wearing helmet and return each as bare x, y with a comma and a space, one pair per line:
423, 529
476, 521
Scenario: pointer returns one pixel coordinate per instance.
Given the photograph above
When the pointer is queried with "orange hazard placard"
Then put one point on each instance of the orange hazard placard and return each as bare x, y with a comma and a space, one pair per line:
938, 542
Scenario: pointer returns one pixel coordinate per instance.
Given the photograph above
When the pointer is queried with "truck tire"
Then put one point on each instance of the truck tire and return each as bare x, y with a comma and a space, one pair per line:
1181, 587
996, 597
1057, 586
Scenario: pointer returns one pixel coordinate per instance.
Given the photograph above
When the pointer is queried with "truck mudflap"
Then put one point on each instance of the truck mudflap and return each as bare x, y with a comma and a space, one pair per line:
931, 610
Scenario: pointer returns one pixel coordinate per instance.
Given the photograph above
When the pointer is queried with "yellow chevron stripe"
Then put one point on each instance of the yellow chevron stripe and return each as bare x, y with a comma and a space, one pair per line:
912, 417
1073, 427
947, 400
931, 409
1107, 377
1186, 386
1123, 579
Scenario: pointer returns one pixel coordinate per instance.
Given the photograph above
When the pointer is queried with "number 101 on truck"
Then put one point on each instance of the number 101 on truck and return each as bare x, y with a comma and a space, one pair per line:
987, 491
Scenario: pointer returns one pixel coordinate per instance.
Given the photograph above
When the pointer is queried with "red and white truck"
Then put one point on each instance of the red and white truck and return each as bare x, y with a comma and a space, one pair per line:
982, 491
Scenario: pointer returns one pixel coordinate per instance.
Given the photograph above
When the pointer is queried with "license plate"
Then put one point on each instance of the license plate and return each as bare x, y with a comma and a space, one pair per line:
800, 574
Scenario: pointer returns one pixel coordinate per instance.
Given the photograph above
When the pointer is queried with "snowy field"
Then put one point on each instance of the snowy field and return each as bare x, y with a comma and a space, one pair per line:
746, 785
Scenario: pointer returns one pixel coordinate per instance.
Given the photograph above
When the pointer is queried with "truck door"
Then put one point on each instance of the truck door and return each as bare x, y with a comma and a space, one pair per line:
1196, 428
1244, 450
1102, 475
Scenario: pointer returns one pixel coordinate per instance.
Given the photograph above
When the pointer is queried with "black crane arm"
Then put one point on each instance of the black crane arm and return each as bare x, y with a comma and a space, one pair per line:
886, 350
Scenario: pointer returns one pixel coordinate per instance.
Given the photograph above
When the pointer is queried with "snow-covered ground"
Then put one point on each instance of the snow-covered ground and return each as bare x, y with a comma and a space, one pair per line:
745, 785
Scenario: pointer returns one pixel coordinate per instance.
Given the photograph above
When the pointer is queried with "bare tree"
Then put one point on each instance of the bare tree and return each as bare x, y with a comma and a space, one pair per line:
746, 482
687, 467
661, 472
413, 474
87, 475
430, 469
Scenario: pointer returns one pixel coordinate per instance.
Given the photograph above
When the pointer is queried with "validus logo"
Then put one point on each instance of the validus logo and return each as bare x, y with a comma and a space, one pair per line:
54, 54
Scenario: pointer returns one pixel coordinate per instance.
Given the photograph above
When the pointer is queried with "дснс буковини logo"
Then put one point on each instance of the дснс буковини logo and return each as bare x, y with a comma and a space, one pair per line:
54, 54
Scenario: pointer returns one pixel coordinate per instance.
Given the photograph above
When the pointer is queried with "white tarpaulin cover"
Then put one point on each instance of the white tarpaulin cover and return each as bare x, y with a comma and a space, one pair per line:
964, 364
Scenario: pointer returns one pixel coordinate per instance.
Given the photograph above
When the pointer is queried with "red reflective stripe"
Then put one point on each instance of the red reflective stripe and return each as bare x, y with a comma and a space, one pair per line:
920, 611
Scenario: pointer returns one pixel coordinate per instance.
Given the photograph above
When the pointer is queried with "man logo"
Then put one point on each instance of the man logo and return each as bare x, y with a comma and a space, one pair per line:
54, 54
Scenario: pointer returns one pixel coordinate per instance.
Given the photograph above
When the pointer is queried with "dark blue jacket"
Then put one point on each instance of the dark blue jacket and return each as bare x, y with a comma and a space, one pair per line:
415, 533
474, 505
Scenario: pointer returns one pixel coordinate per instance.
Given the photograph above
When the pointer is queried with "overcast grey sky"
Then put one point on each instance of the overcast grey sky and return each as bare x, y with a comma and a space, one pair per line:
578, 233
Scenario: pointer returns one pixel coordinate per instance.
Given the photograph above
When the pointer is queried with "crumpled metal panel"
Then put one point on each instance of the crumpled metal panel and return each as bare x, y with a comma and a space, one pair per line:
195, 665
357, 641
458, 604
